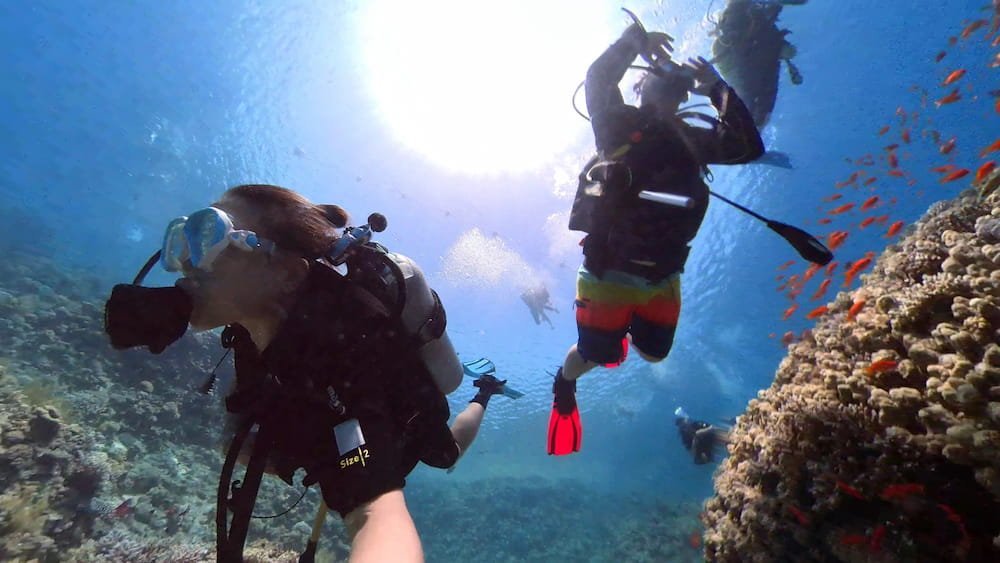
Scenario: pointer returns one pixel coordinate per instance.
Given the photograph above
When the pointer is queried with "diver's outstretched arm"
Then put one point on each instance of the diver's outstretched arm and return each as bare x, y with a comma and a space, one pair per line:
603, 76
735, 139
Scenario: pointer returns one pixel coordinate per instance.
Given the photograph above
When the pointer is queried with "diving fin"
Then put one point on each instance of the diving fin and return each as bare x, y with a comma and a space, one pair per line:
565, 429
478, 368
775, 158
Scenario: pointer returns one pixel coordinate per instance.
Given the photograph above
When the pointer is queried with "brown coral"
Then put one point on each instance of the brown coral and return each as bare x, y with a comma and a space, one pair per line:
836, 462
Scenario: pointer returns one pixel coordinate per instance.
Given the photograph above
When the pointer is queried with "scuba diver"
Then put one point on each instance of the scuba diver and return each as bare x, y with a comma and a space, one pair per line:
628, 289
699, 437
537, 300
748, 50
342, 360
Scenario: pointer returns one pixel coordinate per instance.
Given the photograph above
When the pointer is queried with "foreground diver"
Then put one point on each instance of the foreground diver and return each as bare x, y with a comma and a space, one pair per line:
748, 51
635, 250
699, 437
537, 300
343, 375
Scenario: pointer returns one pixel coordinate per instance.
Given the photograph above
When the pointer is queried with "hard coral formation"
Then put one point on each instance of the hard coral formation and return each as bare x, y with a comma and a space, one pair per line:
880, 437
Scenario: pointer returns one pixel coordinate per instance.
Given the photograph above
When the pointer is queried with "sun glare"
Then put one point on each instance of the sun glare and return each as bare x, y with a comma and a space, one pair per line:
481, 87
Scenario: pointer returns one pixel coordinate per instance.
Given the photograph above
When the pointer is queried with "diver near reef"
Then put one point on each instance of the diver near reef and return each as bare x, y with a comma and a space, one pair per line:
628, 289
538, 301
699, 437
748, 51
341, 373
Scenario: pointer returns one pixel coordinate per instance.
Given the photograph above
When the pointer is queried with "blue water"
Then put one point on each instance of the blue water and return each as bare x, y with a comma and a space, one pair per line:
117, 117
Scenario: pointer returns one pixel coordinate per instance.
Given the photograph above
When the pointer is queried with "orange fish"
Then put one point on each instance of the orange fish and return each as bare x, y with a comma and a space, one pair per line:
833, 197
992, 148
984, 170
893, 160
855, 309
799, 515
842, 209
940, 56
871, 180
786, 265
972, 27
896, 173
789, 311
951, 98
817, 312
952, 40
853, 539
881, 366
850, 180
869, 203
893, 229
892, 147
906, 135
953, 77
943, 169
850, 490
955, 175
876, 542
948, 146
881, 219
822, 289
824, 221
901, 490
996, 106
694, 540
883, 130
836, 240
855, 268
811, 271
831, 267
867, 221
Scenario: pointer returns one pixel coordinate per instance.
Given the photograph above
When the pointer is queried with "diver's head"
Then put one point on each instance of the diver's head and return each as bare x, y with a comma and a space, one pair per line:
244, 258
664, 92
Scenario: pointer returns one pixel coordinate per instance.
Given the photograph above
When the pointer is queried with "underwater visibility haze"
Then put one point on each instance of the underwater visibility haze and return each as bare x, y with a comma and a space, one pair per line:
853, 404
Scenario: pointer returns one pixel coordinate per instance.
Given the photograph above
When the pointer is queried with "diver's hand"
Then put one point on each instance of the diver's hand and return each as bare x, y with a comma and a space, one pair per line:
658, 48
704, 74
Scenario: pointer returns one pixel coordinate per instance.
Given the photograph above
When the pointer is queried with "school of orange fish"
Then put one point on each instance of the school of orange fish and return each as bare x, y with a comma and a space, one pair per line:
869, 209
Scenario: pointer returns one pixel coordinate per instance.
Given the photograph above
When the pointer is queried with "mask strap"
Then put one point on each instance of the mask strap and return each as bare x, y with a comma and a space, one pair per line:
144, 271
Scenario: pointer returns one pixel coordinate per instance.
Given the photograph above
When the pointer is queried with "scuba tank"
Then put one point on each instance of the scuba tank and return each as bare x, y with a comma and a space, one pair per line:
404, 287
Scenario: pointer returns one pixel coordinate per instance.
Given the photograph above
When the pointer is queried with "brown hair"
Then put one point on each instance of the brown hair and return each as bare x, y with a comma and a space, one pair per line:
290, 220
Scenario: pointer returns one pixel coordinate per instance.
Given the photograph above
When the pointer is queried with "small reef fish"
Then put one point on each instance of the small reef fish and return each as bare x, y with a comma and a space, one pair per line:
835, 239
905, 135
824, 221
785, 265
943, 169
789, 311
842, 209
853, 539
954, 175
893, 160
871, 180
893, 229
992, 148
948, 146
896, 173
892, 147
831, 267
972, 27
694, 540
855, 268
954, 77
876, 544
850, 180
867, 221
882, 219
881, 366
817, 312
940, 56
833, 197
822, 290
951, 98
869, 203
849, 490
985, 170
811, 271
883, 130
855, 309
800, 516
901, 491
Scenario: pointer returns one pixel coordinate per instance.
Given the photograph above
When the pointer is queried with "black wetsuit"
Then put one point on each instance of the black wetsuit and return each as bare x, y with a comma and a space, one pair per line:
701, 445
339, 358
662, 155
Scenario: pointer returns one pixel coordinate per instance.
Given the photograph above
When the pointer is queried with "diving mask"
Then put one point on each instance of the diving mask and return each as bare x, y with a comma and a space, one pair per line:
201, 238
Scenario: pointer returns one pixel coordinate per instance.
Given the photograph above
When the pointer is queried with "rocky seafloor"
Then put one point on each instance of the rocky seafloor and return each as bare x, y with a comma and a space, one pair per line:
115, 456
879, 439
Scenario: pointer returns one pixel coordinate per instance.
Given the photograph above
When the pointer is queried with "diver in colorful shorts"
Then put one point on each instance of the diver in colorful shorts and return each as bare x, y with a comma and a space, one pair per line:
342, 360
628, 289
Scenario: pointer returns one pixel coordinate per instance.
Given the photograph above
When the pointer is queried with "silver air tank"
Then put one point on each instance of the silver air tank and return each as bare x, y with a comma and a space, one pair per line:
438, 355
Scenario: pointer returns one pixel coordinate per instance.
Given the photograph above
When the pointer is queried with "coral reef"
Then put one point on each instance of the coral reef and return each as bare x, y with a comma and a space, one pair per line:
880, 437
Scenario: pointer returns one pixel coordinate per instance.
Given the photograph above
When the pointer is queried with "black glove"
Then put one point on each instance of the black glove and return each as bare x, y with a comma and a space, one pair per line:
488, 386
